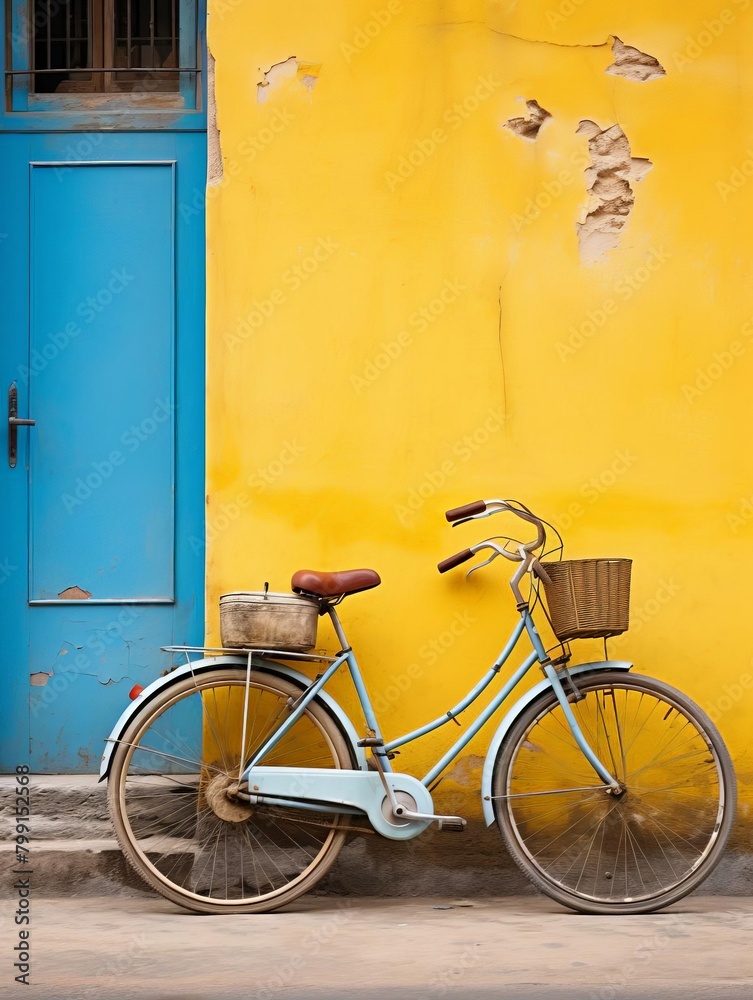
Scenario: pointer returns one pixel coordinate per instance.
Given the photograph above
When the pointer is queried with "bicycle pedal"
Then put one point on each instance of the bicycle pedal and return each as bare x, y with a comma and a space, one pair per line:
451, 824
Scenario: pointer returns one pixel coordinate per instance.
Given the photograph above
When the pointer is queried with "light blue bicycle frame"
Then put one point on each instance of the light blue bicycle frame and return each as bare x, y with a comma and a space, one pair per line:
526, 624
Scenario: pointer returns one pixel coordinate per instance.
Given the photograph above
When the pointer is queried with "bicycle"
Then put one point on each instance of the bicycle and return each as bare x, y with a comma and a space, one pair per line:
235, 779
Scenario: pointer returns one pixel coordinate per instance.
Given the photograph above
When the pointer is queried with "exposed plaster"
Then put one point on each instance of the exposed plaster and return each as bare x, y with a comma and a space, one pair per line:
529, 128
74, 594
306, 73
633, 64
611, 196
215, 168
40, 678
274, 76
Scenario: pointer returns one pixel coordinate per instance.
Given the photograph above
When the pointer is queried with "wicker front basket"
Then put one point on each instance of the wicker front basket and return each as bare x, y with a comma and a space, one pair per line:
588, 598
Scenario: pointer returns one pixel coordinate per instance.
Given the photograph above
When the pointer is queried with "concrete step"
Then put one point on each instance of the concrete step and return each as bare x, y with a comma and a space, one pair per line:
73, 852
63, 806
72, 849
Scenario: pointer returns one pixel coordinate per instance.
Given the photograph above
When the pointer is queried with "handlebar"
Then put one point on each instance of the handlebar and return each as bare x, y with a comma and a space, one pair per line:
485, 508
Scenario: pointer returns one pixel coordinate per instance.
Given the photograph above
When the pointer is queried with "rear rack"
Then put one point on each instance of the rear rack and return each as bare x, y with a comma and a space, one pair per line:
266, 654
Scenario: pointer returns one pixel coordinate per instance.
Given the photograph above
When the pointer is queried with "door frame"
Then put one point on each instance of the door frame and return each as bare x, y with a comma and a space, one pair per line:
126, 111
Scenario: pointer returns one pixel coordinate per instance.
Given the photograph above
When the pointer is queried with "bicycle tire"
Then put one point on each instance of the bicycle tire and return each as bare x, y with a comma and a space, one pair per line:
173, 819
599, 853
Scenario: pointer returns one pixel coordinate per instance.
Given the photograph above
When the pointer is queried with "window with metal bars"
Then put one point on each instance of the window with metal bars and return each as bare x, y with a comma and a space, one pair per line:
105, 46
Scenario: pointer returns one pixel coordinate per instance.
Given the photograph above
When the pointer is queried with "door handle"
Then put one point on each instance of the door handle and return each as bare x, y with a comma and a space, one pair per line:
14, 422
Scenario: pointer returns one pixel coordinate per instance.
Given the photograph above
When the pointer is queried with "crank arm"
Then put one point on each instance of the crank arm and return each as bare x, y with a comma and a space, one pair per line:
400, 811
404, 813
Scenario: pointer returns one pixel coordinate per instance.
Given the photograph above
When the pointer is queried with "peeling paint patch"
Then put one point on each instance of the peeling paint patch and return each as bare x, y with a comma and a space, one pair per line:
467, 771
39, 679
611, 196
529, 128
274, 76
74, 594
633, 64
307, 75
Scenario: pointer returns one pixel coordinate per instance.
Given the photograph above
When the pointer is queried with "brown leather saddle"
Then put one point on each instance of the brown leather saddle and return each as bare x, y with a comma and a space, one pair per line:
349, 581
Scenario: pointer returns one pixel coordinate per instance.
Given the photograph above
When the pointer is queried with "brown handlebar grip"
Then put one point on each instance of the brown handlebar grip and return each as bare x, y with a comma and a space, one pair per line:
451, 561
477, 507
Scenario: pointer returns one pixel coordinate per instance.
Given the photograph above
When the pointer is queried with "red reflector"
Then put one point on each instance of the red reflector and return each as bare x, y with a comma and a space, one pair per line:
135, 691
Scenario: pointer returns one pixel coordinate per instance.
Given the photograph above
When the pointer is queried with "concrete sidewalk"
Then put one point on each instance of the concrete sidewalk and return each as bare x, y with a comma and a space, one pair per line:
124, 948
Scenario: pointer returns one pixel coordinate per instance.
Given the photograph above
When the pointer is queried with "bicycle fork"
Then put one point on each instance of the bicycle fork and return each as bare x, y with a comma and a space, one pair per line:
614, 787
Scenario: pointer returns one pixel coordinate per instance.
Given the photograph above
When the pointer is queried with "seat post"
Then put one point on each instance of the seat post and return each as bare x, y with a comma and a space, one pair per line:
344, 645
372, 725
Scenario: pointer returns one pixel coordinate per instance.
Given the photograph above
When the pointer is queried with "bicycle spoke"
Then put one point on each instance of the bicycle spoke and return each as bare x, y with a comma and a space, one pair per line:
169, 756
634, 850
178, 783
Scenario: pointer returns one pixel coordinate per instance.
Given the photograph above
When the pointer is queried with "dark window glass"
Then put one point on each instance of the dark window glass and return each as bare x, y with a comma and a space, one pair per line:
61, 42
122, 39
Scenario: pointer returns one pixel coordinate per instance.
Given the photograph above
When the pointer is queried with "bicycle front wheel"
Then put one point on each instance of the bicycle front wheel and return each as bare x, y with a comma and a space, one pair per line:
597, 852
172, 794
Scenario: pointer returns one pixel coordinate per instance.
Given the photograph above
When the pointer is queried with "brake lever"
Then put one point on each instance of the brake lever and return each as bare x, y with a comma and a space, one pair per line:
493, 507
482, 564
472, 517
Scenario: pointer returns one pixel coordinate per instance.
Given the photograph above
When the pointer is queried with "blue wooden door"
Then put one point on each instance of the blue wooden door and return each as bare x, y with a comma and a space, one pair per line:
103, 288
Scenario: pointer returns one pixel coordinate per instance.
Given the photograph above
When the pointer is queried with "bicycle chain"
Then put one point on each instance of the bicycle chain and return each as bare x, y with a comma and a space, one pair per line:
295, 815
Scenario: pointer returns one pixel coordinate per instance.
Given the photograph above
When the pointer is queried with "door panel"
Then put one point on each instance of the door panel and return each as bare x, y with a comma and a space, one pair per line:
101, 382
107, 496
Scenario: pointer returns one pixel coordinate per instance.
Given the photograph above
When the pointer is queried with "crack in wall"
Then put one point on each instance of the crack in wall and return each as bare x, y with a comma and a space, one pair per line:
529, 128
632, 64
522, 38
611, 197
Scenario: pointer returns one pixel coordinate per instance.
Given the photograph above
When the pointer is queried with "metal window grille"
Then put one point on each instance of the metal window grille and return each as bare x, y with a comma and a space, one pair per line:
105, 46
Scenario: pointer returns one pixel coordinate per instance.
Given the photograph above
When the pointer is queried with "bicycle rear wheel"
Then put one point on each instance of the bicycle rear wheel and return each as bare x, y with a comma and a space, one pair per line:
602, 853
171, 794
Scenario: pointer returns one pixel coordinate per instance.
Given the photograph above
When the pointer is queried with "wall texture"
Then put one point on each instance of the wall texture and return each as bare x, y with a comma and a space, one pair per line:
478, 249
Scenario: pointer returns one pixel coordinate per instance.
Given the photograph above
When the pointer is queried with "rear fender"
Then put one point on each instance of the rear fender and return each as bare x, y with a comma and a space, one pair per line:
204, 666
597, 666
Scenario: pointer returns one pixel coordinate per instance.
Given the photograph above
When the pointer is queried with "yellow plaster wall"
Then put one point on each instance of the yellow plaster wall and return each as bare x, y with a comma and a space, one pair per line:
399, 322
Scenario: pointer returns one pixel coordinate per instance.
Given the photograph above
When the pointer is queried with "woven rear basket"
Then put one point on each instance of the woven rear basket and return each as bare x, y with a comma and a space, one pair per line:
588, 598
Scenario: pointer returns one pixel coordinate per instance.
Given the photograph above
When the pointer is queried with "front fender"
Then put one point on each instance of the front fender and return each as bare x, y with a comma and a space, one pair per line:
212, 663
522, 703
